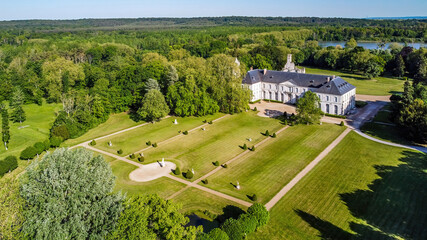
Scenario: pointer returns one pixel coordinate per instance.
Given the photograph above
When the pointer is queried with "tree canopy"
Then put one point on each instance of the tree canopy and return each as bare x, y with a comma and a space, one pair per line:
308, 110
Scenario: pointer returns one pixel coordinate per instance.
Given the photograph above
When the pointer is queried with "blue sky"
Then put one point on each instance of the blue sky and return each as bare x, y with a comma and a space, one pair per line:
75, 9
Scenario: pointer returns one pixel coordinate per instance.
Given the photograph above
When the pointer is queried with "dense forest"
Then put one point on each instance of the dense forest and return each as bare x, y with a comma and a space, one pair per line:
186, 67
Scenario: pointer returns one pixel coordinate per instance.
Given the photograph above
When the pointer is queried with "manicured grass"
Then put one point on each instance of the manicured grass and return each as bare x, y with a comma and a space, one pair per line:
135, 140
380, 86
164, 187
34, 129
115, 123
361, 187
268, 169
219, 142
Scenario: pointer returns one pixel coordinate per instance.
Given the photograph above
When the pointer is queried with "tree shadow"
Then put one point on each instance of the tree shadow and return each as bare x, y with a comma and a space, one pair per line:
393, 205
229, 211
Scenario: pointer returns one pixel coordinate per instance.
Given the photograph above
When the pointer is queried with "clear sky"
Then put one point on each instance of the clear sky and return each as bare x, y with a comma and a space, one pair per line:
75, 9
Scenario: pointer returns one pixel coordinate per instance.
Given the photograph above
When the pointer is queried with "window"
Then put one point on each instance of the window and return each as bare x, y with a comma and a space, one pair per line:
263, 85
327, 99
336, 99
296, 90
336, 109
327, 108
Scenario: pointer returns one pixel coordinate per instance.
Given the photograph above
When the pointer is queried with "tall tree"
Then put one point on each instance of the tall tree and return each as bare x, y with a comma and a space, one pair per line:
5, 126
153, 106
308, 110
18, 113
69, 195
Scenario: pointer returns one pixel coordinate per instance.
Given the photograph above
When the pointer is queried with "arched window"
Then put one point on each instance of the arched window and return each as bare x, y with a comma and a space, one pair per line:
336, 109
327, 108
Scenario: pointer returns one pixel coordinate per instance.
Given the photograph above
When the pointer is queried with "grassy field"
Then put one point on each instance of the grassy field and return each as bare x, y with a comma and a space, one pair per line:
135, 140
265, 171
361, 190
115, 123
34, 129
219, 142
380, 86
164, 187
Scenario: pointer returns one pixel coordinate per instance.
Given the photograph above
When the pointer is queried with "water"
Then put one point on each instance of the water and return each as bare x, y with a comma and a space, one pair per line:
369, 45
198, 221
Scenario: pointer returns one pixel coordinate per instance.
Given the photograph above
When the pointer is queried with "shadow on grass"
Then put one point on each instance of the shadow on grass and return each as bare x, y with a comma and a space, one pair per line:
229, 211
394, 204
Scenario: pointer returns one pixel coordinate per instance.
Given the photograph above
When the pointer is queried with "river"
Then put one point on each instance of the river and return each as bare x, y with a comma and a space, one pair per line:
369, 45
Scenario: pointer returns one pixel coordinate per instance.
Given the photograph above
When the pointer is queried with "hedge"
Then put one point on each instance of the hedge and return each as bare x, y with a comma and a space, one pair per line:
40, 147
28, 153
55, 141
335, 116
10, 163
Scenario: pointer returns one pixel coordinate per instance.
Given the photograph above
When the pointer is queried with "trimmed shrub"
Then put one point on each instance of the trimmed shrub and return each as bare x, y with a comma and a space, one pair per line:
224, 165
92, 143
28, 153
267, 133
10, 163
205, 181
185, 132
205, 121
274, 135
120, 151
245, 147
132, 156
154, 145
254, 197
342, 124
148, 143
189, 174
216, 163
253, 148
210, 122
55, 141
260, 213
39, 146
61, 131
177, 171
141, 159
255, 109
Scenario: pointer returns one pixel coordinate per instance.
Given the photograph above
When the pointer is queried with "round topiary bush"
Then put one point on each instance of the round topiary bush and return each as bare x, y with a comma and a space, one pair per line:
185, 132
28, 153
267, 133
342, 124
92, 143
189, 174
224, 165
205, 181
255, 109
141, 159
254, 197
177, 171
210, 122
132, 156
148, 143
120, 151
216, 163
154, 144
274, 135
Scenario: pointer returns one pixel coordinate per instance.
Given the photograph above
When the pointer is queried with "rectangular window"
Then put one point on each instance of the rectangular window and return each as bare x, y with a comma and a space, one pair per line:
327, 98
336, 99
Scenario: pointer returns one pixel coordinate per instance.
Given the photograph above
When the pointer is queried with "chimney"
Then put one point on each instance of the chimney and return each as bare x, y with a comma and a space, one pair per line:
265, 71
252, 68
333, 77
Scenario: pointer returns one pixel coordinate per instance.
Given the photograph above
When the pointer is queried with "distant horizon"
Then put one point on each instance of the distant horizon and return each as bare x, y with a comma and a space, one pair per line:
192, 17
112, 9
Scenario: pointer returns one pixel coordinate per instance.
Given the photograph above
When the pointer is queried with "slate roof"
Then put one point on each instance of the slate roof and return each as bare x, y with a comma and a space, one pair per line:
318, 83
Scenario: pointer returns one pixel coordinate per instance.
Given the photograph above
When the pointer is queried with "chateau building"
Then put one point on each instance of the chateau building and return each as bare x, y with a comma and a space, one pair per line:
336, 95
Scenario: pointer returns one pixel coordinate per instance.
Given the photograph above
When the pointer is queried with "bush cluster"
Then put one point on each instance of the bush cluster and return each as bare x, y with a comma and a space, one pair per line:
256, 217
8, 164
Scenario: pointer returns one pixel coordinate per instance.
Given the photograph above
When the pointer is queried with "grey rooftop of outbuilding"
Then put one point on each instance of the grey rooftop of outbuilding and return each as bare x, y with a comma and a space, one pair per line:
317, 83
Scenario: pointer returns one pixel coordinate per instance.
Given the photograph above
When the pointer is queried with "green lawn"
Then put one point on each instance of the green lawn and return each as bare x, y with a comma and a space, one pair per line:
135, 140
34, 129
382, 116
268, 169
380, 86
219, 142
164, 187
115, 123
361, 187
